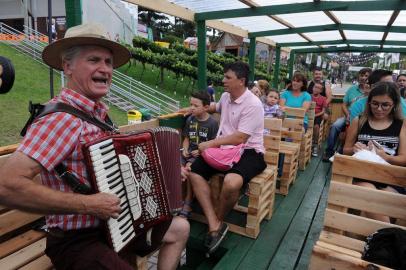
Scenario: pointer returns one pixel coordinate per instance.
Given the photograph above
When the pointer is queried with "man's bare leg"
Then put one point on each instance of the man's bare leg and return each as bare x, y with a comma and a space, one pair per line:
174, 243
229, 194
202, 192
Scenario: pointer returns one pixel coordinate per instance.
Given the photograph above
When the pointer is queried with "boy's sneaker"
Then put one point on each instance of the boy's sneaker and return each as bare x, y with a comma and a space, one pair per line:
315, 151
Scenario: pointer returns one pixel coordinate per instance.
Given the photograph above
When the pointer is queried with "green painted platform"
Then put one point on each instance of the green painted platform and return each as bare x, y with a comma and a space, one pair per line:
285, 241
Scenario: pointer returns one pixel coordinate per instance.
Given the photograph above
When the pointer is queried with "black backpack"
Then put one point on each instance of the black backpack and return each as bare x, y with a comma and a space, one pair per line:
387, 247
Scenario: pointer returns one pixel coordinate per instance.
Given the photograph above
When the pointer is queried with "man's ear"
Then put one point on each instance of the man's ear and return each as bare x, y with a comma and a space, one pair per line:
67, 67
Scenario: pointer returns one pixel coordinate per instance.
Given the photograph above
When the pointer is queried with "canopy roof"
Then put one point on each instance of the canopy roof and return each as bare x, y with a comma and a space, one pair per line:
302, 25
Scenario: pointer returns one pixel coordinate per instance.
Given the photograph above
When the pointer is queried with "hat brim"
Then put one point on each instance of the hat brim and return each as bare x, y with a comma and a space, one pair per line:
51, 54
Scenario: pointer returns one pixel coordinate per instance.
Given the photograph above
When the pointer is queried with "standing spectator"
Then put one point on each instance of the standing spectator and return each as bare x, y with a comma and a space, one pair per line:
211, 91
318, 77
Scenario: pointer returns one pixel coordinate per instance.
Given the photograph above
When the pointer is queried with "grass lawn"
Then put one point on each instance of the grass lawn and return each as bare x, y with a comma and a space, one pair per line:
178, 89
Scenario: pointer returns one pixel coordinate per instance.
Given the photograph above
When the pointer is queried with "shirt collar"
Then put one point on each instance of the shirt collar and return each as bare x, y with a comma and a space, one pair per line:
84, 103
241, 98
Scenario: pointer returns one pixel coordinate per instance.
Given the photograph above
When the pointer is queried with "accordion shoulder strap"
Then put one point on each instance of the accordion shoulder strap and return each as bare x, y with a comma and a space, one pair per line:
39, 110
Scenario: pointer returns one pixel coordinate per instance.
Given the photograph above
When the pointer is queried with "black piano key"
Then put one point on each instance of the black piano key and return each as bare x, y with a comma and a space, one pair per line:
106, 145
116, 184
123, 204
114, 179
124, 231
123, 214
106, 152
125, 238
111, 165
124, 225
108, 160
121, 195
113, 173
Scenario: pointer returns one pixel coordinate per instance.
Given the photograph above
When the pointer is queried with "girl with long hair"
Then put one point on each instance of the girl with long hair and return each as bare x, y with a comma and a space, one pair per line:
381, 125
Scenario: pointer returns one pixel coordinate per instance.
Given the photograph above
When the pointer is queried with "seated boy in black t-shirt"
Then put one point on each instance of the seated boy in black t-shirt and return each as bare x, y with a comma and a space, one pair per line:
199, 127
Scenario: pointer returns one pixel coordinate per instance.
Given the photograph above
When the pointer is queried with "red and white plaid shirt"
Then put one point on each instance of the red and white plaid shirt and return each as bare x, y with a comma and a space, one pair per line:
58, 137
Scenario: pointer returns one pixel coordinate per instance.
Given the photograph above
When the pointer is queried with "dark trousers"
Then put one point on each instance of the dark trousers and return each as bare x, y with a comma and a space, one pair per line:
82, 249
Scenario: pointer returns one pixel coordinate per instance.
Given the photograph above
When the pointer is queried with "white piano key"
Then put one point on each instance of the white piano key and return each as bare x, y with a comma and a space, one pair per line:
97, 162
107, 172
100, 144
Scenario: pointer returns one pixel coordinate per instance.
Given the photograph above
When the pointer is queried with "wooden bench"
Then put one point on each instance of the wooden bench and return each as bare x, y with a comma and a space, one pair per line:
261, 188
307, 142
339, 245
292, 132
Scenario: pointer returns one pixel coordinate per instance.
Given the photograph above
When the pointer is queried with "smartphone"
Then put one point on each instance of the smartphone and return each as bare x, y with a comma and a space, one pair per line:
377, 145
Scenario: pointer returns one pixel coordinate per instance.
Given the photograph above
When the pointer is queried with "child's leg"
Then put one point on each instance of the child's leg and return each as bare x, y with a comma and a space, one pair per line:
189, 190
316, 130
187, 207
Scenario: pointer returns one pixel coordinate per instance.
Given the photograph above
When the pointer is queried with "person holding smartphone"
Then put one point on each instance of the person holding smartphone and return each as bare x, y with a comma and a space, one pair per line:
382, 123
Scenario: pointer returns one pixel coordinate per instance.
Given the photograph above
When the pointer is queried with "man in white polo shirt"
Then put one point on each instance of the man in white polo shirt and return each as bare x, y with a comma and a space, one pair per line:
242, 121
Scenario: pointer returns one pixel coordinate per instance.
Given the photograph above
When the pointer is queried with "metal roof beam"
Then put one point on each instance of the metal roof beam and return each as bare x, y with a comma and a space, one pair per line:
329, 27
186, 14
251, 3
390, 22
350, 49
379, 5
349, 41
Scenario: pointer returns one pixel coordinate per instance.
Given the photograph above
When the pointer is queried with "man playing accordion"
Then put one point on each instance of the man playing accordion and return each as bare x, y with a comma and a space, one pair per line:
75, 240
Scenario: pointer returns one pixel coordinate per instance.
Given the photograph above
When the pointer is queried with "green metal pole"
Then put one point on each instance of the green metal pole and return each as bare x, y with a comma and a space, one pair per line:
276, 67
201, 53
73, 12
251, 59
291, 61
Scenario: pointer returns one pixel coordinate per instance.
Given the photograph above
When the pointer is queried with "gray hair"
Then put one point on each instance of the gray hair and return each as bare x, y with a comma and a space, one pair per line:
70, 54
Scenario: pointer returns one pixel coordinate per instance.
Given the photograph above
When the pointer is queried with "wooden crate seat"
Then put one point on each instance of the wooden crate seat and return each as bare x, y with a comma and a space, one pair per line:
292, 133
307, 142
261, 188
341, 242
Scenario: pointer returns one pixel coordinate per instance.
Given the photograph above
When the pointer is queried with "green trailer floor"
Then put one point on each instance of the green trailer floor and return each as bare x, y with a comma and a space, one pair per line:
285, 241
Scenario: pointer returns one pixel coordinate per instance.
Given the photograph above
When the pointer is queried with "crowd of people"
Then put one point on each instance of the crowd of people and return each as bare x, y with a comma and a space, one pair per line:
373, 109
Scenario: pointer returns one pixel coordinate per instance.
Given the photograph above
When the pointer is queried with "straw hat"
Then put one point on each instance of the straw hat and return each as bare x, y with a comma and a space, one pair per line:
84, 34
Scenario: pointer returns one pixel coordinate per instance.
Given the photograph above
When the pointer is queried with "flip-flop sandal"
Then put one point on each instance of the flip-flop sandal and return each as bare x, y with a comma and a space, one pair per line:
185, 213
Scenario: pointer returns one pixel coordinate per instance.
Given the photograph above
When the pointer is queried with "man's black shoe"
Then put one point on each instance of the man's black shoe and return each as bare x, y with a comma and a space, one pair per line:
326, 157
214, 238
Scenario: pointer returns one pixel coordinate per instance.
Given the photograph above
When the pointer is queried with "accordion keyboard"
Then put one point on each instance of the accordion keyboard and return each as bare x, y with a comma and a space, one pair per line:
115, 175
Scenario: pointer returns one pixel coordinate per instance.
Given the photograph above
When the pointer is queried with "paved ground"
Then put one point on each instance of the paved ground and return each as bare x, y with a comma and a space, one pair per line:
340, 89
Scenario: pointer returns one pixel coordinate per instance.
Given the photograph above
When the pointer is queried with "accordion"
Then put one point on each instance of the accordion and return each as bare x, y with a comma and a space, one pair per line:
142, 169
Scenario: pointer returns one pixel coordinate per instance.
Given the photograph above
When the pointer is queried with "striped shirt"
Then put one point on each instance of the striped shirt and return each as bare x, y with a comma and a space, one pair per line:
58, 137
